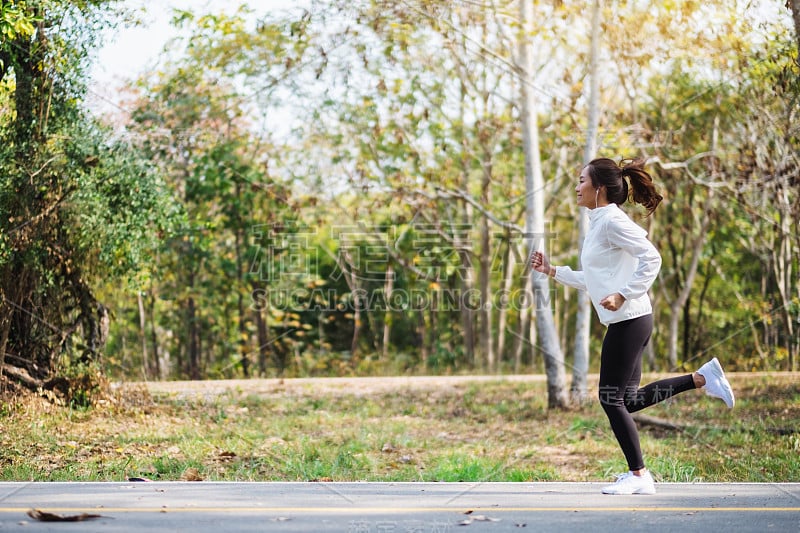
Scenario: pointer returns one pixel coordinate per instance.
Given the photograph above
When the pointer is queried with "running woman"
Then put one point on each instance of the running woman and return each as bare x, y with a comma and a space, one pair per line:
620, 265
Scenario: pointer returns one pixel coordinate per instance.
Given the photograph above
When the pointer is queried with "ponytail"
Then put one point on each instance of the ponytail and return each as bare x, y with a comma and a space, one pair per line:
606, 172
644, 191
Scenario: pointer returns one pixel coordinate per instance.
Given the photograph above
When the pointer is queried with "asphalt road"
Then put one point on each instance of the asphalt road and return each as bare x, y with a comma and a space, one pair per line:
198, 507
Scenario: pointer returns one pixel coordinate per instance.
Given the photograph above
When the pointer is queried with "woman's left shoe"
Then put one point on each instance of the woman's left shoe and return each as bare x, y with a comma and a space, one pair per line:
716, 384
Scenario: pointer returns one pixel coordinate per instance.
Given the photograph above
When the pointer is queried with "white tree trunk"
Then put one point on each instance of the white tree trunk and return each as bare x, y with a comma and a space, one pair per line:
583, 318
557, 394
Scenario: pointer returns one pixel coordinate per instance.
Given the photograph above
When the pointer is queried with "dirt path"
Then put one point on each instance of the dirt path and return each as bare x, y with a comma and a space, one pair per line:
304, 386
364, 386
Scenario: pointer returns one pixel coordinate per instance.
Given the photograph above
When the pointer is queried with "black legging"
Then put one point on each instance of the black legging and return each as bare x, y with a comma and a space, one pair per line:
620, 373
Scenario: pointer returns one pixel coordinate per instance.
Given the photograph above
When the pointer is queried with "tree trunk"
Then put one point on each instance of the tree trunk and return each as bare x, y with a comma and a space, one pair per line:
467, 280
422, 335
650, 351
433, 323
151, 305
5, 328
348, 267
485, 310
242, 342
193, 355
677, 305
502, 323
263, 340
357, 323
524, 325
466, 269
557, 394
782, 262
795, 7
583, 318
143, 331
388, 288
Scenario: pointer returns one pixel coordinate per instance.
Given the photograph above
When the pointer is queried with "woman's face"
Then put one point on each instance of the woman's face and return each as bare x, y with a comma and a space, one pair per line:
587, 194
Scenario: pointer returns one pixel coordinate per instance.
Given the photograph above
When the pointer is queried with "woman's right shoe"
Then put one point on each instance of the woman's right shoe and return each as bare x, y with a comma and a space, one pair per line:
630, 483
716, 384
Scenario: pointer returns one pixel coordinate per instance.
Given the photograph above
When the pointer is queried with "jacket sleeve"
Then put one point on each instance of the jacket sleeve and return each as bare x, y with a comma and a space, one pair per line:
633, 239
572, 278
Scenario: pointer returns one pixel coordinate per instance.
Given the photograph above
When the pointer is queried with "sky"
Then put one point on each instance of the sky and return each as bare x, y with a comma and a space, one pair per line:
130, 52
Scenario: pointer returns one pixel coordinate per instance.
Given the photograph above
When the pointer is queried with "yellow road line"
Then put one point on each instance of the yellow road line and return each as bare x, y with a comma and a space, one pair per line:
388, 510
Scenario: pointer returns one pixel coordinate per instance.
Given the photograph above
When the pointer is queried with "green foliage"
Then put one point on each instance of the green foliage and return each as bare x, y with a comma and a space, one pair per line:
16, 20
401, 172
79, 385
120, 207
316, 193
77, 208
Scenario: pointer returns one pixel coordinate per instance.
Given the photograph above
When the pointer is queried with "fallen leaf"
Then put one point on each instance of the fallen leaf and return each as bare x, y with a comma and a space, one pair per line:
477, 518
483, 518
43, 516
191, 474
226, 457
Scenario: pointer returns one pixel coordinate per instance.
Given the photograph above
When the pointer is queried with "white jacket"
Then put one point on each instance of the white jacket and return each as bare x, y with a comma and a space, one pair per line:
616, 257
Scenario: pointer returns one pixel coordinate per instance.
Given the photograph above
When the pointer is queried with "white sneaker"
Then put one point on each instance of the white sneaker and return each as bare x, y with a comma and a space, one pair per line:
716, 384
630, 483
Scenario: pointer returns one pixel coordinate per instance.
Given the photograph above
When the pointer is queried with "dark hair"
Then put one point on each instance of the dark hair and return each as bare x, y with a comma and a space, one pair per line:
606, 172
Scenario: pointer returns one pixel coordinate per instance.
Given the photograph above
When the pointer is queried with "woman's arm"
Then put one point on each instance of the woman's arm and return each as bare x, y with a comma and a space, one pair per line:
633, 239
562, 274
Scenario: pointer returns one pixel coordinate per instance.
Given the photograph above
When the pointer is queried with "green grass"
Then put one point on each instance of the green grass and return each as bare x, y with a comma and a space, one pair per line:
496, 431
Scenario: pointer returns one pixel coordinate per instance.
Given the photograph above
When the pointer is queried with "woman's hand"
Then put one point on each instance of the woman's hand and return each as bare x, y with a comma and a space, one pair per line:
540, 263
612, 302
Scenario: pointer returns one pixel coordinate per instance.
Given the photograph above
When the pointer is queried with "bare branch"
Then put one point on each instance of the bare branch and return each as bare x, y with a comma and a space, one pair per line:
445, 194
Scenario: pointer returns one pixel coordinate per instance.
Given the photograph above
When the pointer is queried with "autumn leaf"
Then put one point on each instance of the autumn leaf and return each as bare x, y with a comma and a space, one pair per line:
191, 474
43, 516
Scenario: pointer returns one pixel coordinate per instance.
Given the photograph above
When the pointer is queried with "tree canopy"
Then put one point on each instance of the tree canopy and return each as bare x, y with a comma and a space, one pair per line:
342, 189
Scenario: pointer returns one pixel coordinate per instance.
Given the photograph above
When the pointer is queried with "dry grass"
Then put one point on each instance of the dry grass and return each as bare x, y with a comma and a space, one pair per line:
452, 430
